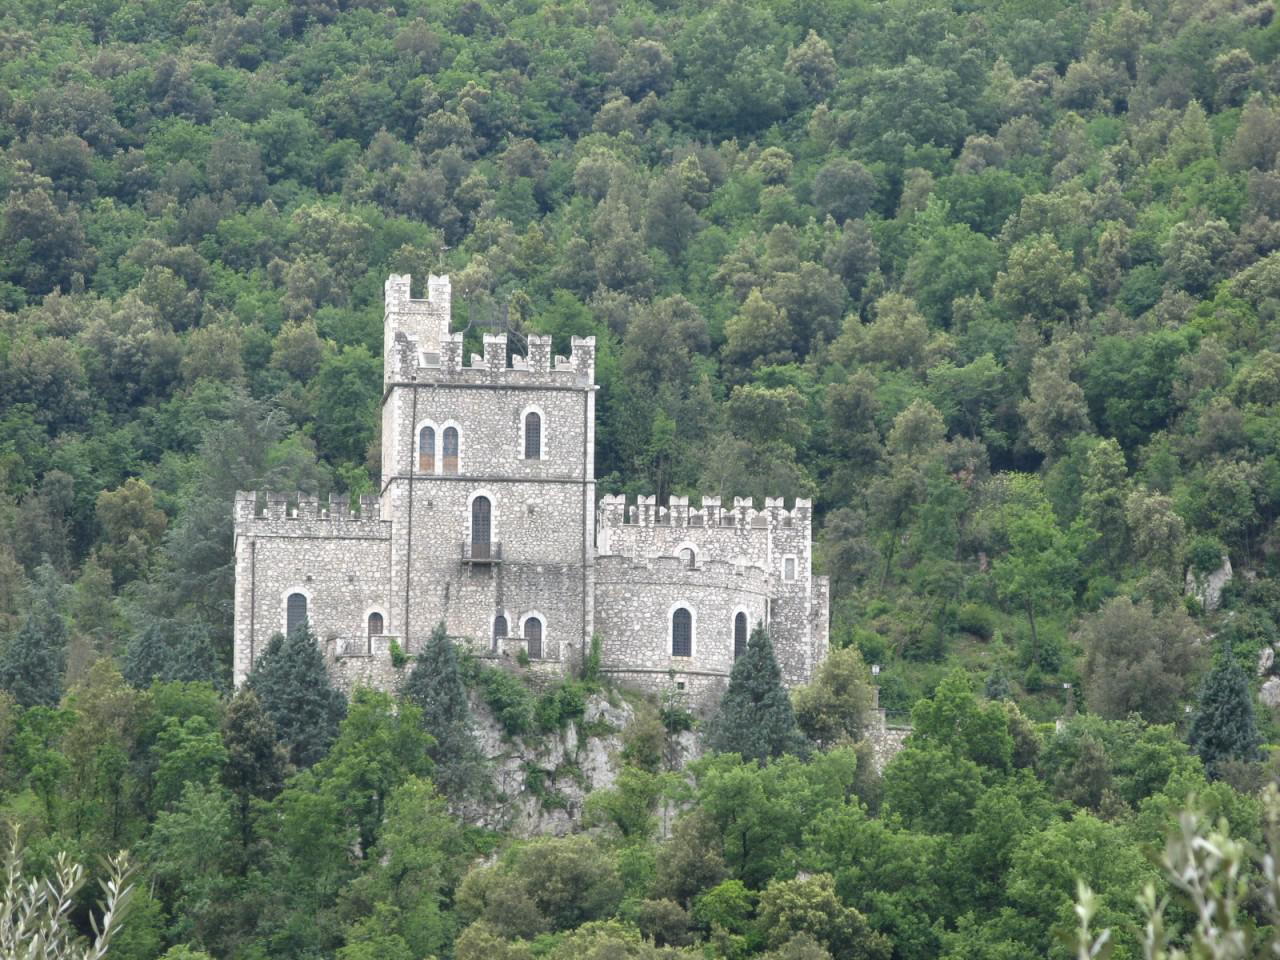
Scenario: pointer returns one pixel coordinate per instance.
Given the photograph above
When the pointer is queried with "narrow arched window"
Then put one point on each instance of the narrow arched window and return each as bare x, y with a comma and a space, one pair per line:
481, 528
451, 450
689, 557
532, 436
427, 450
682, 633
499, 630
533, 637
375, 624
739, 635
295, 613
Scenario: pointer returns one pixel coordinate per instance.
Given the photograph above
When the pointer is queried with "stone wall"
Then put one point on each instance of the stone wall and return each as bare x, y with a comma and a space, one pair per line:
553, 555
364, 662
776, 540
635, 600
338, 560
542, 508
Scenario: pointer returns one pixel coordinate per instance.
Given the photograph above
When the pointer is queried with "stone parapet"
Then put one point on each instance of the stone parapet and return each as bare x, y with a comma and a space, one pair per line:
409, 360
615, 511
297, 508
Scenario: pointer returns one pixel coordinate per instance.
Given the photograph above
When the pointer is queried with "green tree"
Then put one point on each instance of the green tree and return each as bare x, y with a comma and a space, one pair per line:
836, 704
810, 906
348, 386
435, 686
256, 761
31, 665
292, 681
755, 718
1038, 572
1223, 727
1139, 661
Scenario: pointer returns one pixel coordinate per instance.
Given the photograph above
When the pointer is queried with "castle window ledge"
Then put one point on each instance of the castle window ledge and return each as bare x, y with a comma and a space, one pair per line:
481, 552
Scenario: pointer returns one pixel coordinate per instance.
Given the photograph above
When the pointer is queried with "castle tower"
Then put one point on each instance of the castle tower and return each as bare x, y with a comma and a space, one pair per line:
488, 478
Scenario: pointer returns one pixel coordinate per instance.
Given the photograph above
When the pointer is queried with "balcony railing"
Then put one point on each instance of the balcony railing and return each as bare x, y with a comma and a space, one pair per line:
481, 552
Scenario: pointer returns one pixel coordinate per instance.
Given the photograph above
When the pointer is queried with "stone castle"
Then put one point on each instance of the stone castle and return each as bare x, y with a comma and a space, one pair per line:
488, 520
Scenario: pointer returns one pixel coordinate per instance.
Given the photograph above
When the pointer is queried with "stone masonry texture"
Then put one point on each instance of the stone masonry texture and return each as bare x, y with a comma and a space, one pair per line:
415, 554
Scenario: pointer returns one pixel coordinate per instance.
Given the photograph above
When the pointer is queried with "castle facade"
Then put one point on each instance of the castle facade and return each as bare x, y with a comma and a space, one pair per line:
487, 519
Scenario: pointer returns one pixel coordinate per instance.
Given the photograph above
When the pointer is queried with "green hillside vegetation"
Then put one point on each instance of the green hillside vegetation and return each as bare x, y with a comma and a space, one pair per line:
996, 284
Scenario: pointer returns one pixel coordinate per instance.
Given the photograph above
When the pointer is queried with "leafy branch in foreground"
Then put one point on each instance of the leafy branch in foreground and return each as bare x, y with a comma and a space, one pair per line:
1206, 869
35, 921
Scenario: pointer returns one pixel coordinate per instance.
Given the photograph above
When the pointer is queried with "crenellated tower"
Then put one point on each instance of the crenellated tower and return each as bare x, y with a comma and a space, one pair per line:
486, 520
488, 479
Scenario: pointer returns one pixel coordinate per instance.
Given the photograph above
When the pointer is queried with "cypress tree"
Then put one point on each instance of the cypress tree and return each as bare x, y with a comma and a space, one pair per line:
31, 666
755, 717
256, 761
291, 680
435, 686
1223, 727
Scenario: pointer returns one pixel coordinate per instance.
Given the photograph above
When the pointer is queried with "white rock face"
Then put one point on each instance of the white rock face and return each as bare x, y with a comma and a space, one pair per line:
1269, 695
541, 782
1266, 659
1208, 589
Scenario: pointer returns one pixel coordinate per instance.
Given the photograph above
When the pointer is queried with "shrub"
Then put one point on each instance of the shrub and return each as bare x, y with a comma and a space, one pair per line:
398, 657
1205, 555
509, 699
976, 619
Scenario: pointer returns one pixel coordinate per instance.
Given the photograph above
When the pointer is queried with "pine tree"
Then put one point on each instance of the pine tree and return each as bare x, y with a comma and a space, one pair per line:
1223, 727
31, 666
256, 761
147, 655
192, 657
435, 686
291, 679
166, 650
755, 717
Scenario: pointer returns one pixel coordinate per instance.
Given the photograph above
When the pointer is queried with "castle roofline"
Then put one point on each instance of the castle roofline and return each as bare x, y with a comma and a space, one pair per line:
614, 510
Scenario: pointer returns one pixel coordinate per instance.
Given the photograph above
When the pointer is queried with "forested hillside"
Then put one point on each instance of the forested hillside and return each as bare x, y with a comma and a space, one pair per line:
997, 284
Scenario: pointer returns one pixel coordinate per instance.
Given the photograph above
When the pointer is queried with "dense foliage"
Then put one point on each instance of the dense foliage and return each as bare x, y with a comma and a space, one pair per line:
993, 283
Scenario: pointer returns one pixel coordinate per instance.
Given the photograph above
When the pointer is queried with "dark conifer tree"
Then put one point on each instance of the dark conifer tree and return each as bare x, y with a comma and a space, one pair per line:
755, 717
166, 650
256, 760
192, 657
31, 666
1224, 727
147, 655
293, 683
435, 686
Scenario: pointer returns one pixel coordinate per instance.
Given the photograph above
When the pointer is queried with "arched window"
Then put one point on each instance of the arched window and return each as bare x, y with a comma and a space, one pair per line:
499, 630
295, 613
533, 637
427, 449
739, 635
481, 527
451, 450
689, 558
375, 624
682, 633
532, 436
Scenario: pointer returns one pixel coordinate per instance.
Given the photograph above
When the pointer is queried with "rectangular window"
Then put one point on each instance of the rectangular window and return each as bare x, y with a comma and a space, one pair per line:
789, 568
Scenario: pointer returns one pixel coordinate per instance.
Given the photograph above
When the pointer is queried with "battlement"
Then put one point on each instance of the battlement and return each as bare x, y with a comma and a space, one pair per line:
419, 346
255, 506
408, 361
614, 511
